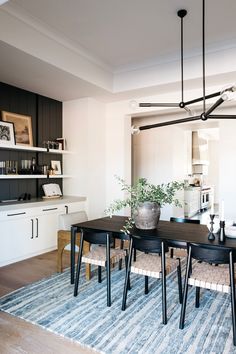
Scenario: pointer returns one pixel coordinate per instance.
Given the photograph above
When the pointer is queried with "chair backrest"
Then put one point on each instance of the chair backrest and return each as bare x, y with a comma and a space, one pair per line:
97, 238
181, 244
183, 220
211, 254
66, 220
148, 245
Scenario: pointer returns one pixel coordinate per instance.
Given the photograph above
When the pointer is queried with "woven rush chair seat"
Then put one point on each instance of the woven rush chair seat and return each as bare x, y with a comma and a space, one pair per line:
151, 262
150, 265
102, 254
204, 274
207, 276
178, 252
97, 256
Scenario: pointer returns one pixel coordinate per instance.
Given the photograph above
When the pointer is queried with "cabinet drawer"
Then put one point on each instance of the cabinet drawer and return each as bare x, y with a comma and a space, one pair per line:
15, 214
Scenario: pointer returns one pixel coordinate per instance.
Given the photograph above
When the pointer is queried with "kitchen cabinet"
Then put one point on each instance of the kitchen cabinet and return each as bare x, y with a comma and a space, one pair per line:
191, 201
31, 229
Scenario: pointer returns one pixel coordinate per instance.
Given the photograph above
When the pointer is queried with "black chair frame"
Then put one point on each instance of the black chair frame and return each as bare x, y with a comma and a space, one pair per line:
99, 238
212, 255
180, 244
150, 246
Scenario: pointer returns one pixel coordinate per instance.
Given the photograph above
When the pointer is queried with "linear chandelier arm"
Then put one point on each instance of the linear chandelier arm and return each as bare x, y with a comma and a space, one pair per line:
199, 99
214, 106
171, 122
148, 104
222, 116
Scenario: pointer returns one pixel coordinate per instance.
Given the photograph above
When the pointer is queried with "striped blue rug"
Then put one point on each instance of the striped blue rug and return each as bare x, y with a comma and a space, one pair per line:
86, 319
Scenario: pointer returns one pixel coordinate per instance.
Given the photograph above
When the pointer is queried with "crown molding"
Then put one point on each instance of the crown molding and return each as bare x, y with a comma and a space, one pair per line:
21, 14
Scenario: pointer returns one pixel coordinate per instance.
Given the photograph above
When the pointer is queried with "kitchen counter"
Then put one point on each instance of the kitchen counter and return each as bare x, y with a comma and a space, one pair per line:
16, 205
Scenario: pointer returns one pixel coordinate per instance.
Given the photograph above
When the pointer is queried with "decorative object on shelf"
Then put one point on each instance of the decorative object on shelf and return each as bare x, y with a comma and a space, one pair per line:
2, 167
50, 144
33, 165
22, 126
52, 190
7, 135
143, 197
11, 167
56, 166
62, 143
226, 94
211, 235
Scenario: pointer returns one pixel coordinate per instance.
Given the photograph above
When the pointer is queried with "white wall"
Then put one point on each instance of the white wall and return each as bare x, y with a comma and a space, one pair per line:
227, 166
100, 135
85, 132
213, 168
160, 155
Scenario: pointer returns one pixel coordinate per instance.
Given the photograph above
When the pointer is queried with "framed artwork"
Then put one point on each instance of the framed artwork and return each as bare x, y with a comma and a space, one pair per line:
22, 127
7, 135
56, 165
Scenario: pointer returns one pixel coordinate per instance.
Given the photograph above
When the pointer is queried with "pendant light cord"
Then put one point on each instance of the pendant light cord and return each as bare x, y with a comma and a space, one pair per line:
182, 61
203, 57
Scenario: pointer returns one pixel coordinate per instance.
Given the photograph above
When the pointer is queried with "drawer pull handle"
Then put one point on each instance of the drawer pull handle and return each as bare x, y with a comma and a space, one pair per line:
50, 209
32, 229
37, 227
16, 214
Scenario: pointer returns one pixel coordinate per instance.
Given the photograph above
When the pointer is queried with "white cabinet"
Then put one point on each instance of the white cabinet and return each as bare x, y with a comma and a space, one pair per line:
191, 201
73, 207
29, 231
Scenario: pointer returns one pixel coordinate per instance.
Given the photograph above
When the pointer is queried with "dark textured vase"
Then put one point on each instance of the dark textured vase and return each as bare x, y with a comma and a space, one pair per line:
147, 215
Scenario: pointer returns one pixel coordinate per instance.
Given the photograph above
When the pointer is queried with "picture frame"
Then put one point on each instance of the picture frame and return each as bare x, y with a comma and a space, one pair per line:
62, 143
22, 127
56, 165
7, 134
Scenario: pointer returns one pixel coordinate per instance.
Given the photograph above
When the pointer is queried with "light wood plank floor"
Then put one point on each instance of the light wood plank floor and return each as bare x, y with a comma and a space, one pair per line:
19, 336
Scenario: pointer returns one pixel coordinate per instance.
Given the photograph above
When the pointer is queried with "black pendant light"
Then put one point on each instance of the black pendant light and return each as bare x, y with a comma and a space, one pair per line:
225, 95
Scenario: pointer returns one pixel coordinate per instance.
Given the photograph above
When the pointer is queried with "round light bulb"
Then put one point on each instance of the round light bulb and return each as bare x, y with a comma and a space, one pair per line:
133, 104
135, 130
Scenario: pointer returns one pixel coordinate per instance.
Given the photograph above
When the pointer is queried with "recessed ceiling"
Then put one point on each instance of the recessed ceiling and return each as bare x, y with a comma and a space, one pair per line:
131, 32
120, 35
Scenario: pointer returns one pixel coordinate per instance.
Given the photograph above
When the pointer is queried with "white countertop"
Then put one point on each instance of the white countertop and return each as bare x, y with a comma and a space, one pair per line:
39, 202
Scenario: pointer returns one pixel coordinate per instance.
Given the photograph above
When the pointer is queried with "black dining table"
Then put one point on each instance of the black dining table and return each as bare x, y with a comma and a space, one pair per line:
166, 230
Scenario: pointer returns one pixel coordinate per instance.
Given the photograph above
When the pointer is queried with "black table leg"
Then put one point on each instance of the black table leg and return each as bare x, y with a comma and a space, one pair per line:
108, 264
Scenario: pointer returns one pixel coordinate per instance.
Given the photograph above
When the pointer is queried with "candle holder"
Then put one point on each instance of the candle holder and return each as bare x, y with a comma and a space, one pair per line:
211, 235
222, 232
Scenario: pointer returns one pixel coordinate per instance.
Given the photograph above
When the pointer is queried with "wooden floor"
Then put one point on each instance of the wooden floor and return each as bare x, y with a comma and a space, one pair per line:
19, 336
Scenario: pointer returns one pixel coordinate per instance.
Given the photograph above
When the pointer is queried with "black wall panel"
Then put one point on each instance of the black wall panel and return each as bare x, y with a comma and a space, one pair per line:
46, 115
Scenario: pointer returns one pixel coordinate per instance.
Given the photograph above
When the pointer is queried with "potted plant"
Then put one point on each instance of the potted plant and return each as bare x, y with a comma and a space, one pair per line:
145, 201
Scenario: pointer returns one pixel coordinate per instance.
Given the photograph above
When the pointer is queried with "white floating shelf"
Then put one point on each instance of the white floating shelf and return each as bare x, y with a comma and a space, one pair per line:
34, 149
32, 176
60, 176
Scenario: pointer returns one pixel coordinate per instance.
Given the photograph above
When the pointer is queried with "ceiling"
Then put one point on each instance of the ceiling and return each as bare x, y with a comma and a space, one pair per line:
119, 36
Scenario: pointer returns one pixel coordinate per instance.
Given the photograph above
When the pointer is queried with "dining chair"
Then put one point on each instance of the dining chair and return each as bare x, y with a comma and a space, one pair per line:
151, 263
179, 247
205, 275
64, 237
100, 256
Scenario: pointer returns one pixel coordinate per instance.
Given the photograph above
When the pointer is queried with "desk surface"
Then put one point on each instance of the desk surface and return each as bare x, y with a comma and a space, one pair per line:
166, 230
